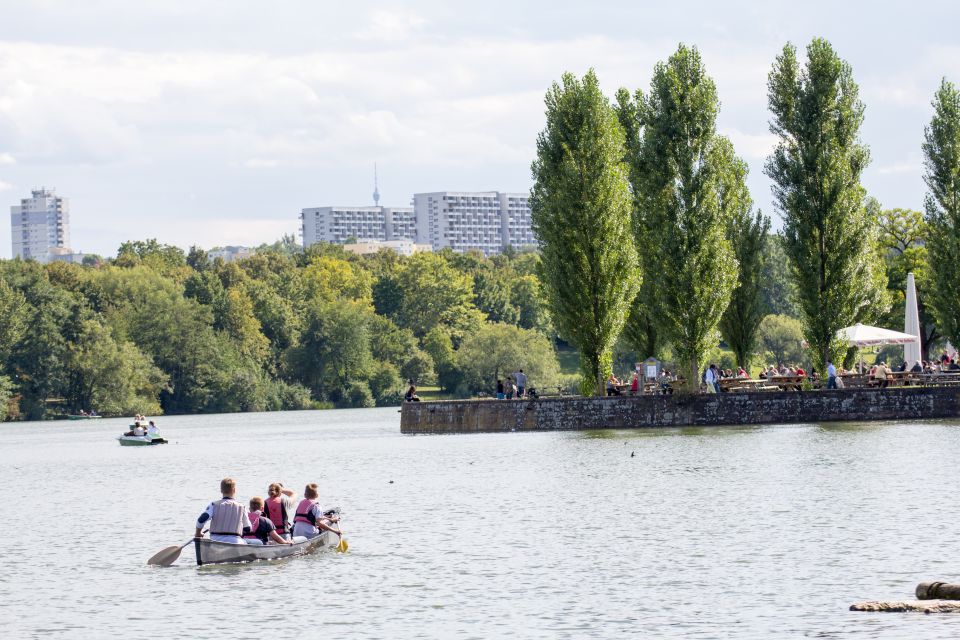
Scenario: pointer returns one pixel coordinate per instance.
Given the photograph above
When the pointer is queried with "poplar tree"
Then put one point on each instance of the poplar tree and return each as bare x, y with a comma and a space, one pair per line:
747, 232
941, 149
581, 214
827, 235
679, 166
641, 330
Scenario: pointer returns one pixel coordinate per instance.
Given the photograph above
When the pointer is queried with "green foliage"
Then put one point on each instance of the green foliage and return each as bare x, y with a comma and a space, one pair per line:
439, 346
688, 187
432, 294
941, 150
8, 408
748, 234
816, 168
902, 244
782, 338
778, 289
496, 350
581, 214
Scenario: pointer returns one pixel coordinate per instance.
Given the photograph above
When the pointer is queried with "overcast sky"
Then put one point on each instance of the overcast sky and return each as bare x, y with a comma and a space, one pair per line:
214, 123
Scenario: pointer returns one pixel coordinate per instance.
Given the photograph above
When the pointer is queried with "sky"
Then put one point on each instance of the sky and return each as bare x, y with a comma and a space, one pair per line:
215, 122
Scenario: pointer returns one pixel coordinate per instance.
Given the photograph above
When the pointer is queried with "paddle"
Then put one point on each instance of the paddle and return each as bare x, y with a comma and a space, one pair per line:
169, 555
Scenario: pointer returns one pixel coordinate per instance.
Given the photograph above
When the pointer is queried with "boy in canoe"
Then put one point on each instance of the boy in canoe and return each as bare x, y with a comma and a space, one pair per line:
261, 529
310, 518
228, 518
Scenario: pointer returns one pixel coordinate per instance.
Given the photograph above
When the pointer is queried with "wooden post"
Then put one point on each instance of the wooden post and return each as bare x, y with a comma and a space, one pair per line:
938, 591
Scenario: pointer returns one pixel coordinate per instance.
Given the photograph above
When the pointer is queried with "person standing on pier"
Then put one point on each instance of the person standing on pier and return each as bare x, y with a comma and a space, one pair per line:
831, 375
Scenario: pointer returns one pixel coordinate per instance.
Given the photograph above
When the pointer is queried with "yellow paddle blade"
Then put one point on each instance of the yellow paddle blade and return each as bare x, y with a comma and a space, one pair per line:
342, 546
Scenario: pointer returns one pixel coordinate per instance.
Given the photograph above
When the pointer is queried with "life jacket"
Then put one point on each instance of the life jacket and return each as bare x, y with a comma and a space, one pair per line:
273, 509
227, 518
254, 524
305, 512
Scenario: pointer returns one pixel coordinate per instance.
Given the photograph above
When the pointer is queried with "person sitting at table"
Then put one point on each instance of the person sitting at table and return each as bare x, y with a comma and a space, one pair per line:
635, 384
741, 373
612, 385
799, 371
916, 368
880, 373
953, 366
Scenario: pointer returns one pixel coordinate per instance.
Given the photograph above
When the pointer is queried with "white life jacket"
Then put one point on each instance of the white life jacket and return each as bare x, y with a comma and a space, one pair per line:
227, 518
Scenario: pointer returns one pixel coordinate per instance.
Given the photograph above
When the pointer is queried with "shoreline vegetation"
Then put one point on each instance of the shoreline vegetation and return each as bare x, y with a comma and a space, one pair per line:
649, 247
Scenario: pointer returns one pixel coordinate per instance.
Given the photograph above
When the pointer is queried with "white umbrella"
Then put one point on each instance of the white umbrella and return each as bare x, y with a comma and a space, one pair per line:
911, 325
863, 335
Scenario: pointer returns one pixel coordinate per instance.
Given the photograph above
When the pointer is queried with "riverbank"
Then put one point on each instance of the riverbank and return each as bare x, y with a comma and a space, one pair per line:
628, 412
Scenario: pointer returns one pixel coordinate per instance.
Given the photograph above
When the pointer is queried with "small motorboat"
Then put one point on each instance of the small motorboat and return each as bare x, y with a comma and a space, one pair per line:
81, 416
214, 552
140, 441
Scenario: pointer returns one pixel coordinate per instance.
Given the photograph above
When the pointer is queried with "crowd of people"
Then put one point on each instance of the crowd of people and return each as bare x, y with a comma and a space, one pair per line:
280, 519
514, 387
142, 427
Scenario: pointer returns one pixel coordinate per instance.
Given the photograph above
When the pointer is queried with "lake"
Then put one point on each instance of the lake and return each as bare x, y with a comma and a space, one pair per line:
741, 532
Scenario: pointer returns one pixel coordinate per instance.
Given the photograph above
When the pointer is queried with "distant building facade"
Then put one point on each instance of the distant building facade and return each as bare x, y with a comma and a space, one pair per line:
229, 254
485, 221
339, 224
40, 225
401, 247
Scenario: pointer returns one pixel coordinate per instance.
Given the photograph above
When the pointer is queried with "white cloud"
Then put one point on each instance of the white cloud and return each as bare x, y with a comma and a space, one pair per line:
6, 158
900, 167
5, 186
751, 146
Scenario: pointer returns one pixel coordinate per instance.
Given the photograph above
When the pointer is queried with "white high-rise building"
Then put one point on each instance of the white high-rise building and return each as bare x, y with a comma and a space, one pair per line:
40, 226
486, 221
339, 224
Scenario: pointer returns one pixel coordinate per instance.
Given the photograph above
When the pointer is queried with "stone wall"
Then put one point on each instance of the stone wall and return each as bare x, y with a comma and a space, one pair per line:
553, 414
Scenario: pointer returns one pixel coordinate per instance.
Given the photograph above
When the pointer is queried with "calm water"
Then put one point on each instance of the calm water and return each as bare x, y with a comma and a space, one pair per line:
753, 532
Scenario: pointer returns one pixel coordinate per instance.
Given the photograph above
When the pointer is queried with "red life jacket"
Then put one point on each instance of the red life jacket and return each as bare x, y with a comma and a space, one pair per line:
305, 512
254, 524
274, 510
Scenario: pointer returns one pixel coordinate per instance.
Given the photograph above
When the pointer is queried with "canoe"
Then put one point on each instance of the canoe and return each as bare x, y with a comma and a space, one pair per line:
213, 552
79, 417
140, 441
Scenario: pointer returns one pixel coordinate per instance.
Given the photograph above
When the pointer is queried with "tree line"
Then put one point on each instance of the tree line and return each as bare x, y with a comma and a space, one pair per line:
648, 232
156, 329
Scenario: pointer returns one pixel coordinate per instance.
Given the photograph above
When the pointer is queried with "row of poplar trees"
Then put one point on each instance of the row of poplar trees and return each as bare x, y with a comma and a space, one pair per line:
647, 227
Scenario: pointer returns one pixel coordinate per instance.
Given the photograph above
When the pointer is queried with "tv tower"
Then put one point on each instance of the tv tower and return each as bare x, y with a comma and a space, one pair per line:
376, 191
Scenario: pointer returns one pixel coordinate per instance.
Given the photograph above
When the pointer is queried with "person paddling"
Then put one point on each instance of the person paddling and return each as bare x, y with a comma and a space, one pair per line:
310, 518
261, 529
281, 502
228, 518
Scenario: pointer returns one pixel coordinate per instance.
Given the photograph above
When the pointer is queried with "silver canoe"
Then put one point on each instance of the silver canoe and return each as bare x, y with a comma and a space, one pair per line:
212, 552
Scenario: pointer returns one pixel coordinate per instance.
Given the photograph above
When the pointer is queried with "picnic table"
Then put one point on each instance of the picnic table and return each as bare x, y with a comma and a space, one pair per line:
735, 385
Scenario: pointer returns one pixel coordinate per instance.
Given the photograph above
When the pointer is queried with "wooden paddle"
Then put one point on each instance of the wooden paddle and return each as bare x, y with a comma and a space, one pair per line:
169, 555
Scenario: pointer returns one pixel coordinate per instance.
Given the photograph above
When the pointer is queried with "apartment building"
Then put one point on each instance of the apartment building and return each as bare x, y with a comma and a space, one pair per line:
339, 224
485, 221
40, 225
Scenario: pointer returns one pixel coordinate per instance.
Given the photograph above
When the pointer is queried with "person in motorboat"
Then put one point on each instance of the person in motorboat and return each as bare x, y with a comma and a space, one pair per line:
137, 430
310, 517
262, 530
281, 502
228, 518
153, 430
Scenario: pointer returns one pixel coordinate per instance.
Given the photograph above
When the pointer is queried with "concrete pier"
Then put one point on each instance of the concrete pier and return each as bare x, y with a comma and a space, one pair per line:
627, 412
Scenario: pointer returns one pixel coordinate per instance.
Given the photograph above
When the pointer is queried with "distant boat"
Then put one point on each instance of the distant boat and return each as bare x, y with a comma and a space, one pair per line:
83, 417
140, 441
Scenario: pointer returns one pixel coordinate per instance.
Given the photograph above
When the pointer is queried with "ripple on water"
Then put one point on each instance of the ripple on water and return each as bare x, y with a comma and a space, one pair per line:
746, 532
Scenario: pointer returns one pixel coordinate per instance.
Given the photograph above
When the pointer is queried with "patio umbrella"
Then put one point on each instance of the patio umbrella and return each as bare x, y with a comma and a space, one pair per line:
863, 335
911, 324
